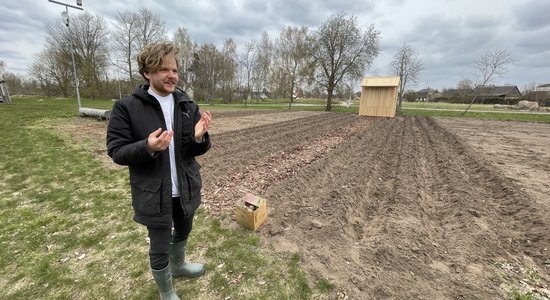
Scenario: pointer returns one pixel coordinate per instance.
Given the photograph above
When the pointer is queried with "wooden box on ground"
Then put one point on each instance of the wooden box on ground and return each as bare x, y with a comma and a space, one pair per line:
251, 211
379, 96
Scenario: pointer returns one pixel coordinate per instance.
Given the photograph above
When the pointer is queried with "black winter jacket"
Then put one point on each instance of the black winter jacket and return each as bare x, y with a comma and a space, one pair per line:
131, 121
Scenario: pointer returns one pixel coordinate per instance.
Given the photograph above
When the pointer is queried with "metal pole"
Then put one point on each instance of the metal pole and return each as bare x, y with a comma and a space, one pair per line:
76, 81
118, 79
66, 5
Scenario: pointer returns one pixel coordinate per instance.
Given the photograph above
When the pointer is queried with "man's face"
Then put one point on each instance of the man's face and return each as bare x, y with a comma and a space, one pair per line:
163, 82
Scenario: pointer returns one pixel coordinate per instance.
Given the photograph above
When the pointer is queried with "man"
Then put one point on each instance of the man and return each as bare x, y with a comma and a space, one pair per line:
157, 132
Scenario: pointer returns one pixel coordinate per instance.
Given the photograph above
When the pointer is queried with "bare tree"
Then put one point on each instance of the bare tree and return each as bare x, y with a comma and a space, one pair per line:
184, 43
54, 64
52, 69
262, 63
339, 47
488, 65
247, 66
465, 88
39, 72
206, 71
531, 93
87, 37
132, 31
407, 66
291, 58
90, 37
124, 41
350, 80
150, 28
228, 69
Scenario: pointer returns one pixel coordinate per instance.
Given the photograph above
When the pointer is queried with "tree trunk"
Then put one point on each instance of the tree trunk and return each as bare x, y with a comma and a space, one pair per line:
291, 95
330, 90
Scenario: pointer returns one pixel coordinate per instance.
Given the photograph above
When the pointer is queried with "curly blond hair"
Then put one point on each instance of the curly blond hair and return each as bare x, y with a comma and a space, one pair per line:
150, 57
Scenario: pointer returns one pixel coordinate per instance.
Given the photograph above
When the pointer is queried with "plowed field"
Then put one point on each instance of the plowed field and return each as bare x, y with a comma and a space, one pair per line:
403, 208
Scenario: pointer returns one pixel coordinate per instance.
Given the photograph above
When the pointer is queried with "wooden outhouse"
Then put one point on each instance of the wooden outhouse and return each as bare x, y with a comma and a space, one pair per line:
379, 96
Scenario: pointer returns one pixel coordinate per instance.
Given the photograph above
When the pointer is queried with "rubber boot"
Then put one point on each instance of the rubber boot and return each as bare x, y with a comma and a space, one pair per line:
163, 279
179, 266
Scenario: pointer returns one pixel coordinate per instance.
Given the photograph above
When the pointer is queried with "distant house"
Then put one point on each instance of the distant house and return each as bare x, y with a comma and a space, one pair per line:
264, 94
450, 95
425, 95
498, 94
540, 94
257, 95
543, 88
506, 94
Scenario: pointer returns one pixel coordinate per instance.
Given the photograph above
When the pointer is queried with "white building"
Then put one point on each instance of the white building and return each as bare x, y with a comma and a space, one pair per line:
543, 88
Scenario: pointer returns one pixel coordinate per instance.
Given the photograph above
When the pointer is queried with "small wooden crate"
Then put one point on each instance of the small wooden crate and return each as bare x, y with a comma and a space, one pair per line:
251, 218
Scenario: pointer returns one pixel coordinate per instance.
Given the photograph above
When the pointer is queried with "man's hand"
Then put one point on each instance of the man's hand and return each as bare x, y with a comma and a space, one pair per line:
159, 140
202, 125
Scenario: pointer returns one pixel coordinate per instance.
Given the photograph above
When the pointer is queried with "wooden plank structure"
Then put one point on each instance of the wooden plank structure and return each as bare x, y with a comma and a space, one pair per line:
379, 96
4, 93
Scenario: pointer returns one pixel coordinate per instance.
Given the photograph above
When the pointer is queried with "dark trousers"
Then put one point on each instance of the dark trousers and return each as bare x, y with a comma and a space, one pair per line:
160, 238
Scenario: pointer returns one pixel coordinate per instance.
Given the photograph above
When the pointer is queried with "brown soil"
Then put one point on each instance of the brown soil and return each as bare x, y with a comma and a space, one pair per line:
402, 208
241, 119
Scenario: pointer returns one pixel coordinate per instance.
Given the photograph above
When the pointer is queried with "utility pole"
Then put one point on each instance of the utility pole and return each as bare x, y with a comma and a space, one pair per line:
118, 79
65, 15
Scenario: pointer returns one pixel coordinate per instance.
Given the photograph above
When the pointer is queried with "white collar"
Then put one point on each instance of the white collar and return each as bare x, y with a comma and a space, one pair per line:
160, 98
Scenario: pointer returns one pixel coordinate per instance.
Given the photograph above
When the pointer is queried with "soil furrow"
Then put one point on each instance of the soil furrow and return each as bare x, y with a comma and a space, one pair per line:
419, 211
257, 177
258, 143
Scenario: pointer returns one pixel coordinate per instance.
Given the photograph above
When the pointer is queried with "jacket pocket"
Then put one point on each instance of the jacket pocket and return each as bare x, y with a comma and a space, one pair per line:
146, 196
194, 181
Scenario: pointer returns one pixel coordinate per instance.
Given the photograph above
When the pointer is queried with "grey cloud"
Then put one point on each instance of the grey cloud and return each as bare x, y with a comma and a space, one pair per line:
447, 42
534, 42
533, 15
256, 6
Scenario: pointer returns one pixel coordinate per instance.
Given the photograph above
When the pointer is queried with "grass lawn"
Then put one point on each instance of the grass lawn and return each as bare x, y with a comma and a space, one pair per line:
480, 111
67, 229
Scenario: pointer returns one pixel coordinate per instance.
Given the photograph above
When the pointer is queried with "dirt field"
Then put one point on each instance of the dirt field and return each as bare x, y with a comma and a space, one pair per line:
403, 208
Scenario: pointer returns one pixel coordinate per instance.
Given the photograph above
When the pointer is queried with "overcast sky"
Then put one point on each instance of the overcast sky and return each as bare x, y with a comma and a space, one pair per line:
448, 34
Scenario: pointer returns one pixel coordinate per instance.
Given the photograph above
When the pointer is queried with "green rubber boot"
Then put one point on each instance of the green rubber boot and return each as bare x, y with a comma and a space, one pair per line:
163, 279
179, 266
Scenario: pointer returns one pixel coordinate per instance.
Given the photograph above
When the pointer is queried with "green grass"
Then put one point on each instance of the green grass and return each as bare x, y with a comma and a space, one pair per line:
446, 106
521, 296
502, 116
478, 111
67, 229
